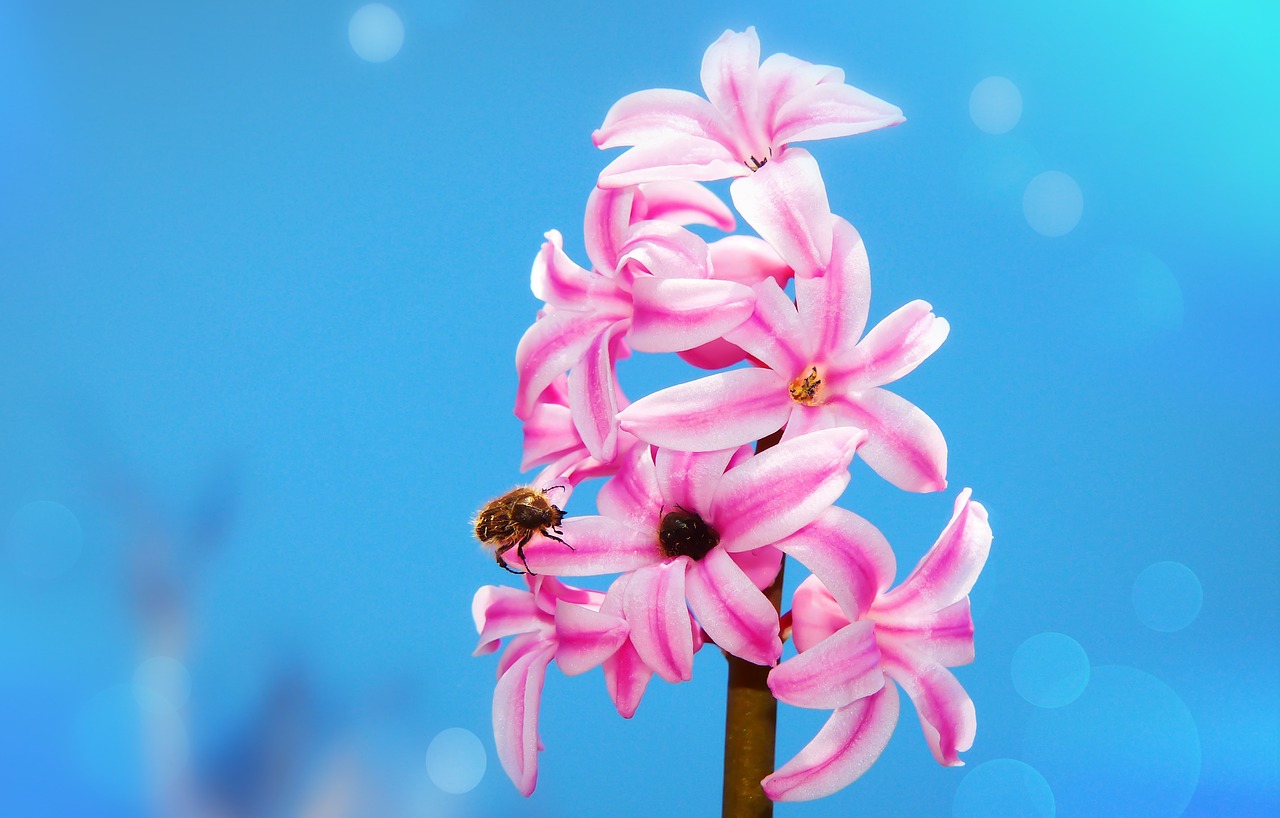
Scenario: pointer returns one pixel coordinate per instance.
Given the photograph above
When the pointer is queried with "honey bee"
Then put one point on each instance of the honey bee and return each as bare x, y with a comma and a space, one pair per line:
511, 521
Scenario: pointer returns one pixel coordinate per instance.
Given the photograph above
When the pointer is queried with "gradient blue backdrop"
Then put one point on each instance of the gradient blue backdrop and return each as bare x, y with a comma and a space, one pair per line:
260, 298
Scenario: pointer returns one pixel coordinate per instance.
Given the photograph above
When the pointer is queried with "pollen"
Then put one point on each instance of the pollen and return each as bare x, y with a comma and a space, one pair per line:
805, 391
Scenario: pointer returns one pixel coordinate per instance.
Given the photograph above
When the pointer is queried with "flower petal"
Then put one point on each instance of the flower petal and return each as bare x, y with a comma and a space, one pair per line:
830, 110
783, 489
845, 748
815, 614
682, 202
655, 609
558, 281
548, 433
592, 546
673, 157
586, 637
946, 711
949, 569
848, 554
945, 636
665, 250
716, 354
833, 305
759, 564
657, 114
732, 610
783, 77
625, 675
500, 612
747, 260
605, 225
838, 670
894, 347
786, 202
715, 412
516, 700
774, 334
632, 497
904, 445
677, 314
593, 396
554, 344
689, 479
730, 71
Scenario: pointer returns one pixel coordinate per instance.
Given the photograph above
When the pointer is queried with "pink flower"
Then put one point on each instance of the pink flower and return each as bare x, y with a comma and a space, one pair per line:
751, 112
683, 525
552, 440
851, 634
817, 375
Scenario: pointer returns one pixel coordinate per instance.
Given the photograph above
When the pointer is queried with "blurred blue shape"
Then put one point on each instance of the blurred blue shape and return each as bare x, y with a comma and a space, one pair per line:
1050, 670
1003, 788
456, 760
376, 32
995, 105
43, 539
1053, 203
1167, 596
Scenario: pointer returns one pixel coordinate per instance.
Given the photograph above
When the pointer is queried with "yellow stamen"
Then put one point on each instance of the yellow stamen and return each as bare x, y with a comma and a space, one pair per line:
804, 391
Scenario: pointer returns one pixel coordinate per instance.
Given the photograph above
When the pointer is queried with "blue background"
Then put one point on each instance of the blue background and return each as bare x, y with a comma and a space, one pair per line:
259, 302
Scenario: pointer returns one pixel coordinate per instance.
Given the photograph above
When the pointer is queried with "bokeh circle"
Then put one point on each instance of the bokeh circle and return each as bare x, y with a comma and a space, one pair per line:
1053, 203
995, 105
1050, 670
1167, 596
376, 32
456, 760
1006, 788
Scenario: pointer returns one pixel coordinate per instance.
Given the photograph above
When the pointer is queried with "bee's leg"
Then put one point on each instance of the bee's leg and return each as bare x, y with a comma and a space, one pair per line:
498, 555
548, 533
520, 552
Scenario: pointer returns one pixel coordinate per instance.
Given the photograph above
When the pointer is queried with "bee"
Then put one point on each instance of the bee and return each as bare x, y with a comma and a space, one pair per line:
511, 520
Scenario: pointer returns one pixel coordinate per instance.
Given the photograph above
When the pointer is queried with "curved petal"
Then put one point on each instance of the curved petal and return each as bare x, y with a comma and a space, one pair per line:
904, 445
500, 612
675, 157
833, 305
815, 614
894, 347
945, 636
783, 77
946, 711
715, 412
747, 260
838, 670
845, 748
592, 546
849, 555
558, 281
632, 497
605, 225
516, 699
759, 564
806, 420
689, 479
730, 72
554, 344
717, 354
593, 397
949, 569
774, 334
830, 110
655, 114
783, 489
586, 637
683, 202
665, 250
677, 314
655, 609
625, 675
732, 610
786, 202
548, 433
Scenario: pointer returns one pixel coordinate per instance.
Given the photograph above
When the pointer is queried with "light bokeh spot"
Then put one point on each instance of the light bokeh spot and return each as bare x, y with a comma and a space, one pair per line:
1127, 746
995, 105
376, 32
1006, 788
162, 684
1167, 596
1053, 203
456, 760
44, 539
1050, 670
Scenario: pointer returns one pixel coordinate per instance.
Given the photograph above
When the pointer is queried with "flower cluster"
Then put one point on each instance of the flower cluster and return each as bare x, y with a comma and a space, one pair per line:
694, 520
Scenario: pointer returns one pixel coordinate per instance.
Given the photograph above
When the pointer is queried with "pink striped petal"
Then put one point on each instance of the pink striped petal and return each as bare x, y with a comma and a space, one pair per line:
625, 677
904, 445
808, 419
715, 412
665, 250
516, 700
605, 225
730, 71
830, 110
774, 334
848, 554
673, 157
815, 614
554, 344
786, 202
547, 591
948, 571
759, 564
747, 260
783, 77
548, 434
690, 479
783, 489
684, 203
632, 497
946, 711
838, 670
677, 314
501, 612
600, 545
732, 610
833, 305
655, 609
558, 281
656, 114
845, 748
945, 636
586, 637
894, 347
593, 397
716, 354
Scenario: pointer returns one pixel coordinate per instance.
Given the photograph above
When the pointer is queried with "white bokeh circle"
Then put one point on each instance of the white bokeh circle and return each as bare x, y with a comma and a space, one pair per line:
1050, 670
376, 32
1167, 596
995, 105
1053, 203
456, 760
1003, 787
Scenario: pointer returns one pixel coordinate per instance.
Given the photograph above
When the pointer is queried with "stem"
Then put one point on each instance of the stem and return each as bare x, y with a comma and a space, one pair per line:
751, 720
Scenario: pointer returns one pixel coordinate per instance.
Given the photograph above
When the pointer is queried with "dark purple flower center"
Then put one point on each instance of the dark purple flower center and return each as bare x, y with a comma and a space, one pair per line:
685, 534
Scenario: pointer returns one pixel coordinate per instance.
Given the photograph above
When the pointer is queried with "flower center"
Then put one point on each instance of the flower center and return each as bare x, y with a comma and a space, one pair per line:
804, 391
685, 534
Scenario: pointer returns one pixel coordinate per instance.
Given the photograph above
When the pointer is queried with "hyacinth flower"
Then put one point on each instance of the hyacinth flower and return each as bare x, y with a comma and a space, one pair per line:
675, 520
551, 440
853, 633
751, 112
818, 373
